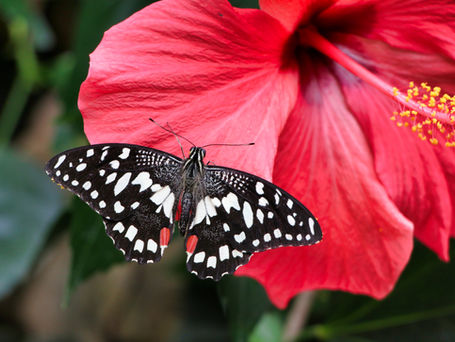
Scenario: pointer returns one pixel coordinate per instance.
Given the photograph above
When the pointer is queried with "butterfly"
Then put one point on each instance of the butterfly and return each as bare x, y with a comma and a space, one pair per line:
143, 194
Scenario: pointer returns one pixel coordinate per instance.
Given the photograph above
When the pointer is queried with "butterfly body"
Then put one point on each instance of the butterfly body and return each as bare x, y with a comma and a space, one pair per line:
225, 215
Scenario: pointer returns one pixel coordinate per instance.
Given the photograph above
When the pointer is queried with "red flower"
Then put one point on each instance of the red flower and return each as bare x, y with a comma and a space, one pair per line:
322, 131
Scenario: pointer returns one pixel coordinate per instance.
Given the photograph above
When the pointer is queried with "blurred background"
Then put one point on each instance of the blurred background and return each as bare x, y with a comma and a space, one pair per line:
62, 280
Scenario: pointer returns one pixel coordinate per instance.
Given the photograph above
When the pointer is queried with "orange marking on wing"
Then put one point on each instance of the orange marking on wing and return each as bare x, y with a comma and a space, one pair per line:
178, 212
191, 244
165, 236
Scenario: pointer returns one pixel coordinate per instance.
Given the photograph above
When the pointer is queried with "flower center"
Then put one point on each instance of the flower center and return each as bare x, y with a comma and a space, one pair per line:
428, 113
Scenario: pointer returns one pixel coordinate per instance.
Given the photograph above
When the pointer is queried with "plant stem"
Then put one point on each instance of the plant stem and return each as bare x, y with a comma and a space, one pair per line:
298, 315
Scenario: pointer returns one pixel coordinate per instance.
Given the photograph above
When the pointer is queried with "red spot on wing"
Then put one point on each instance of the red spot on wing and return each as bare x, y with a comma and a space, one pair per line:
165, 236
178, 212
191, 244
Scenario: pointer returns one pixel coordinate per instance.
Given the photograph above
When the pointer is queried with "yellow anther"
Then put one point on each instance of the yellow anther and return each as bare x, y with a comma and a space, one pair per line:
430, 113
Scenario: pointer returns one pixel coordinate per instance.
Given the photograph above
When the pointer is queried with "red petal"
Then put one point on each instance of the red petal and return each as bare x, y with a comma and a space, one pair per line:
325, 160
215, 76
416, 25
409, 169
292, 13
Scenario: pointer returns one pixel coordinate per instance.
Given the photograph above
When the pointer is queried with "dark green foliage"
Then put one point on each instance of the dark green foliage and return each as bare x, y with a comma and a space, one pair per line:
29, 205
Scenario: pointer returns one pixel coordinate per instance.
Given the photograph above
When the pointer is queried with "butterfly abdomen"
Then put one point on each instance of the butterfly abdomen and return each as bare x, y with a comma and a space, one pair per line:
187, 212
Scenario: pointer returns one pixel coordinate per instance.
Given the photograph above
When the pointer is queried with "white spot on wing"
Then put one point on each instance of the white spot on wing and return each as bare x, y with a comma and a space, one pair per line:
87, 185
102, 204
260, 188
122, 183
131, 233
237, 254
139, 246
277, 199
288, 237
230, 201
134, 205
143, 180
291, 220
267, 237
81, 167
111, 177
59, 161
260, 215
118, 207
119, 227
247, 214
211, 211
263, 202
256, 243
289, 203
156, 187
159, 196
311, 224
211, 262
94, 194
103, 155
226, 227
114, 164
168, 204
308, 237
199, 257
90, 152
125, 153
240, 237
200, 213
74, 183
224, 252
216, 202
277, 233
152, 245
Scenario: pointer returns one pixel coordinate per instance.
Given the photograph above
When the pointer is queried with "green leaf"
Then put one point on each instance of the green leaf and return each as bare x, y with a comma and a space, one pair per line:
269, 328
244, 302
43, 37
422, 301
29, 204
92, 249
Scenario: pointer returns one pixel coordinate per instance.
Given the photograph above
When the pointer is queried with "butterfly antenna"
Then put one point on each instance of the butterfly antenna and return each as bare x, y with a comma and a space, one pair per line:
248, 144
170, 130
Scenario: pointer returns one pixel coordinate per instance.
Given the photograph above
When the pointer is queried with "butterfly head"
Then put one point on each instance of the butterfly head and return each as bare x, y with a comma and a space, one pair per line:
197, 153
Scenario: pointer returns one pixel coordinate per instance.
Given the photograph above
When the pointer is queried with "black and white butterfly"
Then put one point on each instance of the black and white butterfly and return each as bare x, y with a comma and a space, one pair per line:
142, 194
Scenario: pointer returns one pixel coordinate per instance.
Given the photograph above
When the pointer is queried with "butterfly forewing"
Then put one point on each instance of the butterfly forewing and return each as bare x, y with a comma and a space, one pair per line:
132, 187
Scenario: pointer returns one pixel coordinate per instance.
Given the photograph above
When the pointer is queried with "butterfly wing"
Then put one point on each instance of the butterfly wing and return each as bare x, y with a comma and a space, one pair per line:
247, 214
133, 188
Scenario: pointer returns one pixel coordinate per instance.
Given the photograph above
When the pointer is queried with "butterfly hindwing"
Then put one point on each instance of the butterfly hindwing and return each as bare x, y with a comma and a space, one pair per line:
210, 256
142, 236
132, 187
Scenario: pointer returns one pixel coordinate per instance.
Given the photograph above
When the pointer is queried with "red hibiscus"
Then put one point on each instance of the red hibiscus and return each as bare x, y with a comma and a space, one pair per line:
323, 132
